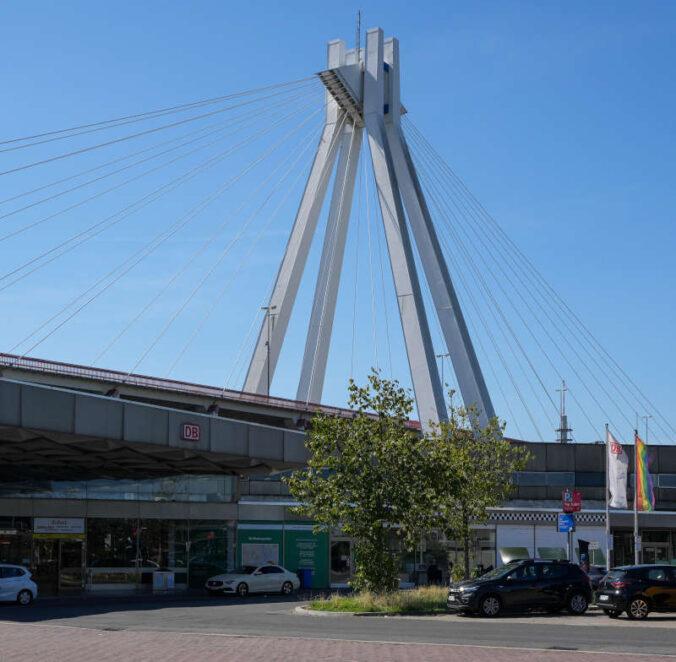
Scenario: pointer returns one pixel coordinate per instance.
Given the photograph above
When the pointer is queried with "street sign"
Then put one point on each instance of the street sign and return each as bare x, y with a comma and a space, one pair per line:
566, 523
594, 545
572, 501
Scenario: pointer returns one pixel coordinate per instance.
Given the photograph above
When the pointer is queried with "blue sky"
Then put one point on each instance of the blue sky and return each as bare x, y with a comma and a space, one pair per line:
557, 116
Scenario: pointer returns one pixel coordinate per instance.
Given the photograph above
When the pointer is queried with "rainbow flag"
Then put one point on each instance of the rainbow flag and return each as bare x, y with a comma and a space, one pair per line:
645, 496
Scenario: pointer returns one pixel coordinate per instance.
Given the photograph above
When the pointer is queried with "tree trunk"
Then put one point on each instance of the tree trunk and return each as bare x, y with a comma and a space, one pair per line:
465, 541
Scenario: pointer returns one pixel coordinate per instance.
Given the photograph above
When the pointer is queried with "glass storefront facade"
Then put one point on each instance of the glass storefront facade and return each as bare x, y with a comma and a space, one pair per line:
120, 553
657, 546
116, 554
184, 488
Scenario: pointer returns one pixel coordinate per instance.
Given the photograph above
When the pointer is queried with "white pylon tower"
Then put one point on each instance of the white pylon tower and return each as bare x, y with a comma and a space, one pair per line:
363, 93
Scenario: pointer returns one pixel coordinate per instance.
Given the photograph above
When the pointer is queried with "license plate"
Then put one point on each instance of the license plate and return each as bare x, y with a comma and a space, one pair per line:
603, 598
452, 598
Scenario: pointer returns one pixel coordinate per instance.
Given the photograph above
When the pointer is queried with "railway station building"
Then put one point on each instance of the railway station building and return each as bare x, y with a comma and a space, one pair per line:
115, 483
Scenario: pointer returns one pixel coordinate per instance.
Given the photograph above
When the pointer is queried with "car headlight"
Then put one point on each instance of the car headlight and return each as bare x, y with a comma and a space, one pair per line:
229, 581
470, 589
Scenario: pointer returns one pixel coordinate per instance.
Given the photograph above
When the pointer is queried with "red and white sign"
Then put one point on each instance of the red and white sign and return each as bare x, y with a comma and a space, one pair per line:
190, 432
572, 501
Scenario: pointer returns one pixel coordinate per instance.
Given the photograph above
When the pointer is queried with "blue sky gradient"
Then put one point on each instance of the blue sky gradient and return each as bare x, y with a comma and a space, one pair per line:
559, 117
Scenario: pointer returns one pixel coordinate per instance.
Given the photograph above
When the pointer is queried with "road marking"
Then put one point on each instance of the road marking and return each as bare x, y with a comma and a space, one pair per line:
354, 641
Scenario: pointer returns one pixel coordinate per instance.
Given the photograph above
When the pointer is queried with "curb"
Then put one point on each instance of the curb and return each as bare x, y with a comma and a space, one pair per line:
316, 612
332, 614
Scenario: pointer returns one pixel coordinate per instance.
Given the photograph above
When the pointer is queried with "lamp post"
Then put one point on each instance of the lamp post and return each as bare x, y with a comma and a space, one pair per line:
645, 418
442, 357
268, 313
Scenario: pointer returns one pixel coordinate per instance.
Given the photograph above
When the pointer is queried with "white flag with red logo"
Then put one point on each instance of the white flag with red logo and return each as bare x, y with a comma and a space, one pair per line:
618, 464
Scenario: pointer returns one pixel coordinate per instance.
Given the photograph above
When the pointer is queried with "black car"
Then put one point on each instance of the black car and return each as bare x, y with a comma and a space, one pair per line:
638, 590
522, 585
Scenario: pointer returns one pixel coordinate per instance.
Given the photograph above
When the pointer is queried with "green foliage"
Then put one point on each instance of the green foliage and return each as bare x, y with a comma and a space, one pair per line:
371, 475
425, 599
368, 474
479, 463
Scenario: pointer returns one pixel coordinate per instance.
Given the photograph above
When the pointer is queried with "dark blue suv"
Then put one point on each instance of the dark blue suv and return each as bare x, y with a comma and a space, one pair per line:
523, 585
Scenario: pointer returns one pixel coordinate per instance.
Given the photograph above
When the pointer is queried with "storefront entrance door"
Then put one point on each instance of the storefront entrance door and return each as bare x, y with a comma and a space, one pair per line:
58, 566
70, 566
341, 563
46, 561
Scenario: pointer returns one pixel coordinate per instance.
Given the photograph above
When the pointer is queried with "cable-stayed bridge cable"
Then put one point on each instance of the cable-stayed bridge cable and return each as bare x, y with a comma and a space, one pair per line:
160, 239
132, 136
202, 281
109, 221
133, 119
269, 110
518, 264
257, 240
161, 110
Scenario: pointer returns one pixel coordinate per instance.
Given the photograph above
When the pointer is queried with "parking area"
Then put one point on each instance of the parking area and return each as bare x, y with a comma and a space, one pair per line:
267, 628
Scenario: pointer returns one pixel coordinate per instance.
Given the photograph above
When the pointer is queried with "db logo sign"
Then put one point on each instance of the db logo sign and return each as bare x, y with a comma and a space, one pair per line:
190, 432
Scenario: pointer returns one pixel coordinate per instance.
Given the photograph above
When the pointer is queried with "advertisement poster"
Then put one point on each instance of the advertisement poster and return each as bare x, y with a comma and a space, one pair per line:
259, 543
259, 553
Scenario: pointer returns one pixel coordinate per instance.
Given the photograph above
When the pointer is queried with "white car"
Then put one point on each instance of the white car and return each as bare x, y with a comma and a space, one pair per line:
267, 578
17, 585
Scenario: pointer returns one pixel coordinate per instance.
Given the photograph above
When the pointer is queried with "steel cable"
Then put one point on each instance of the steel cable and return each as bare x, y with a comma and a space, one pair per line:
268, 110
137, 204
135, 135
173, 229
133, 119
162, 110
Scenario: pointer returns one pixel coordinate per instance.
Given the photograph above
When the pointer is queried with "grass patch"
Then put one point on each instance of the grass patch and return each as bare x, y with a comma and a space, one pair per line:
425, 598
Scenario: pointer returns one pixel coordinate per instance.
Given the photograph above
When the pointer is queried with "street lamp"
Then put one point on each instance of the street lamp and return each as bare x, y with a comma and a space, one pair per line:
269, 314
442, 356
645, 418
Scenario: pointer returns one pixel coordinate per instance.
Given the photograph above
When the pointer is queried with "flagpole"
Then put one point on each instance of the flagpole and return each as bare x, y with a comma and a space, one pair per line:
636, 550
608, 564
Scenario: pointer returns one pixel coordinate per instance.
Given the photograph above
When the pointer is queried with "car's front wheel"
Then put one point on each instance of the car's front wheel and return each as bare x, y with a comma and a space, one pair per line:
612, 613
490, 606
24, 597
287, 588
638, 609
242, 590
577, 604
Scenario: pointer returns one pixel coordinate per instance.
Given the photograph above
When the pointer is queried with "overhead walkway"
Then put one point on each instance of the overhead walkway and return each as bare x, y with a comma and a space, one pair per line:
58, 433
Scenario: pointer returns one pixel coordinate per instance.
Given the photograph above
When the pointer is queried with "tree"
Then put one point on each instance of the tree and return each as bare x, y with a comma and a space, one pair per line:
479, 464
369, 475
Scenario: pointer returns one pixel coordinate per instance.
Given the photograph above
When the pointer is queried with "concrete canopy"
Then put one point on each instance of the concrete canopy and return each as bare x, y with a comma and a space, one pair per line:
54, 433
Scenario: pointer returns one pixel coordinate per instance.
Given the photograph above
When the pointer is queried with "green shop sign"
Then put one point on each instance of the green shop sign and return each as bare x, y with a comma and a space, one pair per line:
291, 544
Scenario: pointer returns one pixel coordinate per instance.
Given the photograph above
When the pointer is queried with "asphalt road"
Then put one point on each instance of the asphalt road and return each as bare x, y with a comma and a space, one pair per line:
274, 616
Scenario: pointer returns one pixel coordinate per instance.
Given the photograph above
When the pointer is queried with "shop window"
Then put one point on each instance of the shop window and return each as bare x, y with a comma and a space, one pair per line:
112, 543
16, 537
648, 535
211, 550
531, 478
666, 480
560, 479
590, 479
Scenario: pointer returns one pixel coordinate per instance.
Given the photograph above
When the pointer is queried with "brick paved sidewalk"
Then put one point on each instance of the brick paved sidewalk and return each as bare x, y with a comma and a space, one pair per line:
49, 643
